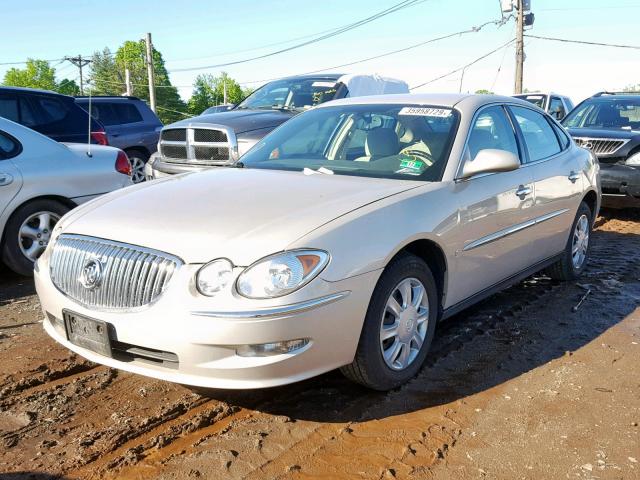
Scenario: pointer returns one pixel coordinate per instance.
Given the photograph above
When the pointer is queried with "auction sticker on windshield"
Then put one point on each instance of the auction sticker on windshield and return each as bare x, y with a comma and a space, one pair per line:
425, 111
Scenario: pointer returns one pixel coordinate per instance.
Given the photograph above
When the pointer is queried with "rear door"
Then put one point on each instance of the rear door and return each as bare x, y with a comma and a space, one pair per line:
557, 180
133, 129
495, 213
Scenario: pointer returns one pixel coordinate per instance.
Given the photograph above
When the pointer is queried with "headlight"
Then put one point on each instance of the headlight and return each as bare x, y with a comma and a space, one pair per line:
281, 274
633, 160
214, 276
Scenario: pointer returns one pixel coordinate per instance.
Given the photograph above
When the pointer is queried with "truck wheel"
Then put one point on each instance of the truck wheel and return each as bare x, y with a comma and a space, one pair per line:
27, 233
399, 326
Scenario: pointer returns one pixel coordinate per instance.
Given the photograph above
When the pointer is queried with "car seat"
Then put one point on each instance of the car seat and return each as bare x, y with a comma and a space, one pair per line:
380, 142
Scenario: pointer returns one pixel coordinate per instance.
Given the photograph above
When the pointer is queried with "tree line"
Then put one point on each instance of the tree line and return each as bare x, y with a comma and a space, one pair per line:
106, 76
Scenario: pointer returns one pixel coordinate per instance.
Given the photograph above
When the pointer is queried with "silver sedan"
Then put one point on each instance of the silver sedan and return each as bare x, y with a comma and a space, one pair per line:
339, 241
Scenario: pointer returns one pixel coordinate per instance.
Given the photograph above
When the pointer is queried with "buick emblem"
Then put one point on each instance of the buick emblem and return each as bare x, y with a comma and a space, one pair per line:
91, 275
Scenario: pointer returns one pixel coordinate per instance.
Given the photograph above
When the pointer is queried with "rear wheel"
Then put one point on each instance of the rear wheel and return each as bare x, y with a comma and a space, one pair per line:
28, 232
576, 253
399, 326
138, 160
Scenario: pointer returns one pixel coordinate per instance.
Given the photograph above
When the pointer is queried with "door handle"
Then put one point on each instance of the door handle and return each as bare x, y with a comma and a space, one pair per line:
523, 191
5, 179
574, 177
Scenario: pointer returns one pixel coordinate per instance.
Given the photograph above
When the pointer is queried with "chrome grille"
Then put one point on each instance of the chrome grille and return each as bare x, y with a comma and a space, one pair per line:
601, 146
199, 144
131, 276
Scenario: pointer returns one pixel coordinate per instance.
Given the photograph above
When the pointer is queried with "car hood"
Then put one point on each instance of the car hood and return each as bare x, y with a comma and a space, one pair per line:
240, 120
613, 133
242, 214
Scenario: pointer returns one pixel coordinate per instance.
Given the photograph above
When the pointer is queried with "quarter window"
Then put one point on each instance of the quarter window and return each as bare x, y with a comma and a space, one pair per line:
127, 113
9, 147
538, 135
492, 130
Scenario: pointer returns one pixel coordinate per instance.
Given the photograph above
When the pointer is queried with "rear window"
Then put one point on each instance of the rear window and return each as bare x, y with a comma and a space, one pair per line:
537, 100
9, 109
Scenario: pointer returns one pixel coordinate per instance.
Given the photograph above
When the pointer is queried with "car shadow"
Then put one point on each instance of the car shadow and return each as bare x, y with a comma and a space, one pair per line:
14, 286
507, 335
30, 476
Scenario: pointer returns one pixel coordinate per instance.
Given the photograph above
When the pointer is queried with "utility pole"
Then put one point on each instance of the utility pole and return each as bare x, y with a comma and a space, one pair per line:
224, 90
127, 82
151, 73
79, 62
517, 89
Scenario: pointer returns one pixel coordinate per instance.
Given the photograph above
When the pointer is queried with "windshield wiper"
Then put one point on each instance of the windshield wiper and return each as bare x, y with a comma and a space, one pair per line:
322, 170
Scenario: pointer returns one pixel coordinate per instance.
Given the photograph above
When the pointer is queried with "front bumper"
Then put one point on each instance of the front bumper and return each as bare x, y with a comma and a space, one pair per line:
159, 168
202, 337
620, 185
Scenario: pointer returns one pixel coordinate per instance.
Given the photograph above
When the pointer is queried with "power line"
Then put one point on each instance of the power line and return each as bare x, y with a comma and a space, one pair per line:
397, 7
464, 66
582, 42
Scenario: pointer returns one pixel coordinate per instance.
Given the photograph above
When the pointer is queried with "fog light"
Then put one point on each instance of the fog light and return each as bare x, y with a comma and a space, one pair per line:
269, 349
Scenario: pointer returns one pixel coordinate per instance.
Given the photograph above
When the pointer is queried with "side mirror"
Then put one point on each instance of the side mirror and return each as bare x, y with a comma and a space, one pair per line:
490, 161
231, 106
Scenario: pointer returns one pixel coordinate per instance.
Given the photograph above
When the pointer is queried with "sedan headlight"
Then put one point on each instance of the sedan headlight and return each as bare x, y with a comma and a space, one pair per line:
214, 276
281, 273
633, 160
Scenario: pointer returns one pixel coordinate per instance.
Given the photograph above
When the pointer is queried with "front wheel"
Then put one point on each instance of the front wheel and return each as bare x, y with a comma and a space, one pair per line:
398, 327
576, 252
28, 232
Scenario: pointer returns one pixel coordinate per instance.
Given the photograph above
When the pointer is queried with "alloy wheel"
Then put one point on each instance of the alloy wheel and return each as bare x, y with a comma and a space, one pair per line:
35, 232
580, 243
137, 169
404, 323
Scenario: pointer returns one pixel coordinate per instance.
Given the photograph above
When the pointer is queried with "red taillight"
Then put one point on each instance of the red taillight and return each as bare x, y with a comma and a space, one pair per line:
100, 137
122, 163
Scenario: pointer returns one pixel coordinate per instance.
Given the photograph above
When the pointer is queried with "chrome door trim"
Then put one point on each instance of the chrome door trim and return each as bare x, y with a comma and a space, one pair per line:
511, 230
276, 311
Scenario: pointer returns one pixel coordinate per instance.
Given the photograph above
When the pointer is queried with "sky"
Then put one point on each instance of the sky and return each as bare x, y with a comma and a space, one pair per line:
193, 33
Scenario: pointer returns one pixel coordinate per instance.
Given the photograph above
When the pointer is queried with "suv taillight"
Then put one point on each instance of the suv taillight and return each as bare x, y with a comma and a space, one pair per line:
100, 137
122, 163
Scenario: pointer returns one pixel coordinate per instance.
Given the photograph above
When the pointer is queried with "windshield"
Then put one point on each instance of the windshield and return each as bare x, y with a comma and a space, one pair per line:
292, 94
537, 100
384, 141
606, 113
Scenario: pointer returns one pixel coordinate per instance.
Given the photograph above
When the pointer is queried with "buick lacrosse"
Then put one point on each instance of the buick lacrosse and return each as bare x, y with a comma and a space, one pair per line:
339, 241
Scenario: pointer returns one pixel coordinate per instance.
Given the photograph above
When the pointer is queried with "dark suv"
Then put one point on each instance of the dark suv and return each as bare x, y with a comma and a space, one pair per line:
609, 125
131, 126
52, 114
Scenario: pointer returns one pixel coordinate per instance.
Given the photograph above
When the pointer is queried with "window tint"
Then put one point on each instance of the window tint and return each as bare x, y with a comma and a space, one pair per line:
53, 109
538, 135
103, 112
492, 130
9, 108
9, 147
127, 113
27, 114
562, 135
556, 108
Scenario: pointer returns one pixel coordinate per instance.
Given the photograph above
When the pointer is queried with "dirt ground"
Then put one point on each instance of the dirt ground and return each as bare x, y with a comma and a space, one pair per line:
518, 387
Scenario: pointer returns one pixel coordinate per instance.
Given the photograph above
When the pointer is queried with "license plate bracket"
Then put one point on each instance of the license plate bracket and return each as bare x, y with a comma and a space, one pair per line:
87, 333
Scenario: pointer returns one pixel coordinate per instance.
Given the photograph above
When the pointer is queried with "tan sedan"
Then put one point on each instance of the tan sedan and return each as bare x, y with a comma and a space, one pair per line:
340, 240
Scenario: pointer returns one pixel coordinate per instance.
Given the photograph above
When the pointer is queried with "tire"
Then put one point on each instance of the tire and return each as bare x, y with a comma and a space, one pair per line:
569, 267
369, 367
21, 245
138, 160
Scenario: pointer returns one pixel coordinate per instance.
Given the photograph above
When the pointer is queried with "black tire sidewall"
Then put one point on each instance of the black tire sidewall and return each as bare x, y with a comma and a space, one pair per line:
381, 376
11, 253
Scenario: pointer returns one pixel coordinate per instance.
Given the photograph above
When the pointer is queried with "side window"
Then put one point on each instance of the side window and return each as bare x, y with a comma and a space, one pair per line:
556, 108
103, 112
492, 130
9, 108
28, 115
538, 135
9, 147
52, 108
562, 135
127, 113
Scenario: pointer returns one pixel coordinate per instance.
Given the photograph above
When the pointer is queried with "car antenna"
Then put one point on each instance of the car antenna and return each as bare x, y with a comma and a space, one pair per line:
89, 129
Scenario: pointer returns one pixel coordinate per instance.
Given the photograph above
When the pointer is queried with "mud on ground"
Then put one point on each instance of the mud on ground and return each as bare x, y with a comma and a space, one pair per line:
518, 387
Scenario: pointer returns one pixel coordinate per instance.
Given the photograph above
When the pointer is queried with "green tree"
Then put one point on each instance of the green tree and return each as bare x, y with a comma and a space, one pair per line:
484, 91
108, 76
36, 74
208, 90
68, 87
632, 88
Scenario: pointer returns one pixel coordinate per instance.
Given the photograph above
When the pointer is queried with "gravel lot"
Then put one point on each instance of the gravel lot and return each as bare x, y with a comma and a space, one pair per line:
519, 387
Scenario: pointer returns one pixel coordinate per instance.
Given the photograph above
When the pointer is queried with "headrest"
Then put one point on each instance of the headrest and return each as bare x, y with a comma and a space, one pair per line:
381, 142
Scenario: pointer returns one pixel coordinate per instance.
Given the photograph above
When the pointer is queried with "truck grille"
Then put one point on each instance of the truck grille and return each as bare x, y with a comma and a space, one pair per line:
600, 146
198, 145
109, 275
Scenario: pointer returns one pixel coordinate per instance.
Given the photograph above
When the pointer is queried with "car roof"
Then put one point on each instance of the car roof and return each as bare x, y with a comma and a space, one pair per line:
328, 76
97, 98
447, 100
33, 90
